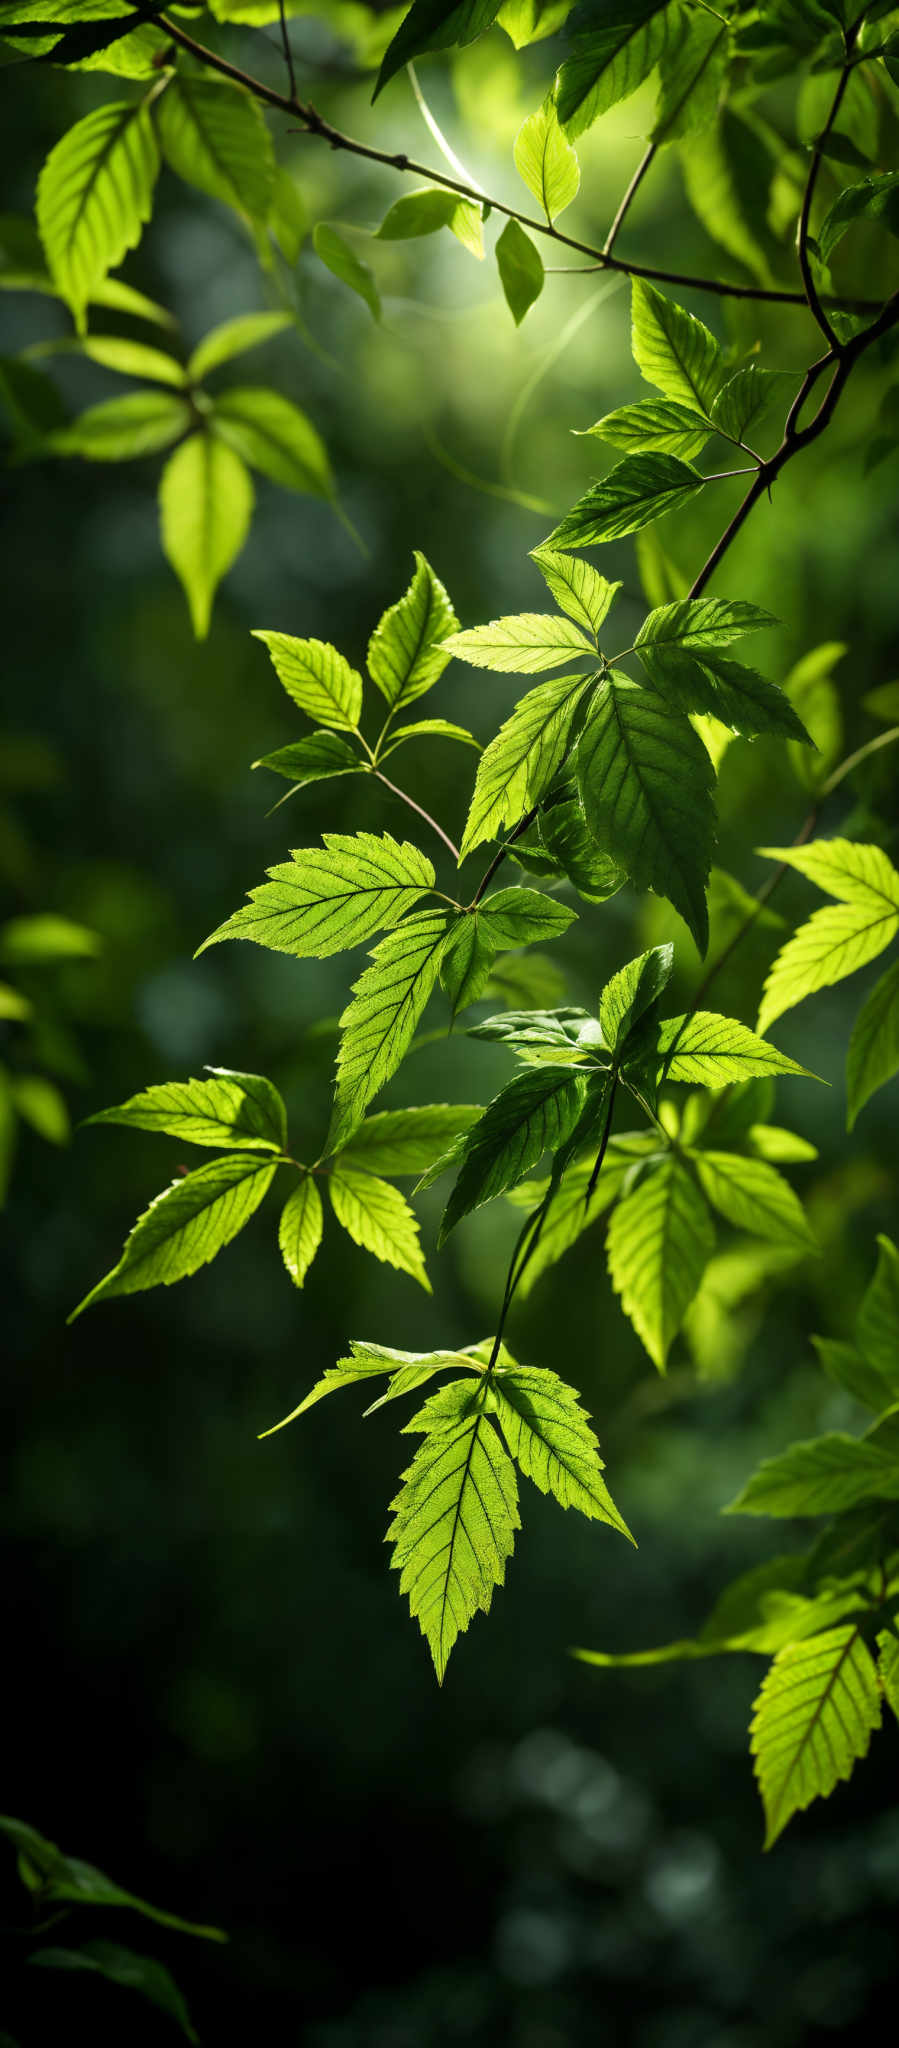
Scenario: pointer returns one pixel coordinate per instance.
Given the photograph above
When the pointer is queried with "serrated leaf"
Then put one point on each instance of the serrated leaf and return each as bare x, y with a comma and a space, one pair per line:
406, 1369
528, 21
271, 433
873, 1056
534, 1113
814, 1716
333, 896
824, 1476
300, 1229
754, 1197
427, 211
878, 1322
713, 684
546, 161
846, 870
517, 917
646, 784
407, 1140
377, 1217
518, 766
843, 1364
521, 271
637, 491
338, 257
550, 1438
673, 350
655, 426
659, 1242
520, 1029
122, 428
522, 645
205, 505
702, 622
435, 25
215, 137
380, 1022
570, 1212
455, 1518
874, 198
233, 338
832, 943
692, 78
317, 678
405, 655
631, 992
95, 193
577, 587
746, 397
467, 961
316, 759
185, 1226
888, 1668
610, 63
237, 1110
712, 1051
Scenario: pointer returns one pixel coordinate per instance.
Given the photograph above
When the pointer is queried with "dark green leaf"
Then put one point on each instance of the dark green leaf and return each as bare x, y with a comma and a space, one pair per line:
632, 992
406, 1140
338, 257
316, 759
435, 25
122, 1966
534, 1113
611, 62
520, 267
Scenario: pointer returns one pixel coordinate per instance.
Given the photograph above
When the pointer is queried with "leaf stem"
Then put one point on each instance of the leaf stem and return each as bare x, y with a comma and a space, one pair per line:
802, 250
413, 806
315, 124
500, 855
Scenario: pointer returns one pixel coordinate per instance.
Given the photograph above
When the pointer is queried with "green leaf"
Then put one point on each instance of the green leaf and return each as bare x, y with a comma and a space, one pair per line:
455, 1518
377, 1217
534, 1113
812, 693
407, 1140
528, 21
237, 1110
405, 653
205, 505
873, 1056
31, 399
888, 1668
467, 961
435, 25
65, 1880
754, 1197
660, 1240
570, 1212
637, 491
42, 1106
275, 437
711, 1051
517, 917
824, 1476
122, 1966
814, 1716
852, 873
429, 728
122, 428
871, 199
550, 1437
610, 63
337, 256
577, 587
673, 350
848, 1369
527, 1030
407, 1370
40, 940
595, 875
522, 645
94, 194
317, 678
518, 766
316, 759
883, 703
427, 211
233, 338
546, 162
833, 943
728, 170
333, 896
646, 783
692, 78
720, 688
185, 1226
878, 1323
655, 426
132, 358
215, 137
745, 399
300, 1229
378, 1026
631, 992
521, 271
704, 622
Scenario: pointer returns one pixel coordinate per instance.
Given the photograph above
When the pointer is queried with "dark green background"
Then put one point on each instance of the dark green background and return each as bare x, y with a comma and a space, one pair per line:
212, 1689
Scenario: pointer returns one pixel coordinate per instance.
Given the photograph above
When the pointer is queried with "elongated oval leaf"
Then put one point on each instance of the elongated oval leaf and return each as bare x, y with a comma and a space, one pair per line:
406, 654
237, 1110
205, 504
712, 1051
377, 1217
215, 136
580, 590
550, 1437
534, 1113
380, 1022
332, 896
94, 194
814, 1716
337, 256
637, 491
673, 349
271, 433
754, 1197
123, 428
609, 64
300, 1229
519, 764
407, 1140
873, 1056
660, 1240
522, 645
185, 1226
546, 161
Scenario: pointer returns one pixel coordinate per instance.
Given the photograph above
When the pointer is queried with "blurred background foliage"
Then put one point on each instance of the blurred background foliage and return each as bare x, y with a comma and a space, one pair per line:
213, 1689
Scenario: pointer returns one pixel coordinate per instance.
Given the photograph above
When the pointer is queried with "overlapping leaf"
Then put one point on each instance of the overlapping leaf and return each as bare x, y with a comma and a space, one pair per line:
380, 1022
550, 1437
660, 1239
518, 766
814, 1717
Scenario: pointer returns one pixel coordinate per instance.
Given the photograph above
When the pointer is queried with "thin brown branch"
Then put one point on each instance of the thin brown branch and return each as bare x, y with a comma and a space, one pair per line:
811, 290
631, 194
405, 798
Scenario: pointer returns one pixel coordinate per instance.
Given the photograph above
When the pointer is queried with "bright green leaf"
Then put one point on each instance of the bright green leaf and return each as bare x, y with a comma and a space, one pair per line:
333, 896
233, 338
522, 645
205, 504
379, 1024
637, 491
546, 162
407, 1140
518, 766
300, 1229
122, 428
873, 1056
878, 1322
633, 991
754, 1197
338, 257
550, 1438
655, 425
660, 1239
534, 1113
185, 1226
521, 271
215, 137
316, 759
426, 212
405, 653
814, 1716
711, 1051
237, 1110
377, 1217
577, 587
517, 917
673, 349
274, 436
94, 194
609, 64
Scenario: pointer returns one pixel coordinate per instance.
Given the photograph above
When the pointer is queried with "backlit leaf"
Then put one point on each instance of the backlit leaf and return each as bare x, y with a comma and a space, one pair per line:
518, 766
712, 1051
271, 433
300, 1229
754, 1197
550, 1438
520, 267
205, 505
577, 587
873, 1056
185, 1226
318, 679
673, 349
94, 194
405, 654
546, 161
521, 645
380, 1022
377, 1217
237, 1110
534, 1113
659, 1241
215, 136
398, 1141
329, 897
637, 491
608, 64
814, 1716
